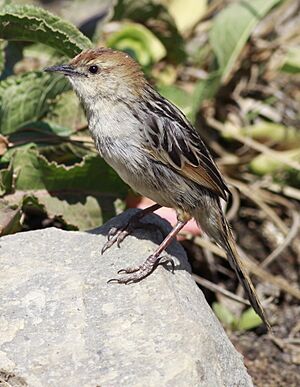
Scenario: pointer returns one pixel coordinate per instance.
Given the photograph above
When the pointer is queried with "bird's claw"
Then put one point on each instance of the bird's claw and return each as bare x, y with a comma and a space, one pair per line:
117, 235
166, 259
128, 270
112, 232
122, 280
136, 274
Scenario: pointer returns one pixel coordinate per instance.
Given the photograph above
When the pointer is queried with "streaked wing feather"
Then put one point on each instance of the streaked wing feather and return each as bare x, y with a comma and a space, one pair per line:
173, 141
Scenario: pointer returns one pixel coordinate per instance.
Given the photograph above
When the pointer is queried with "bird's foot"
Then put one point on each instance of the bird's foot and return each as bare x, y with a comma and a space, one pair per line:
118, 234
136, 274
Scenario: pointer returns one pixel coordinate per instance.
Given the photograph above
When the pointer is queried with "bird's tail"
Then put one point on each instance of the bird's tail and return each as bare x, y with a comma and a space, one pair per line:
214, 224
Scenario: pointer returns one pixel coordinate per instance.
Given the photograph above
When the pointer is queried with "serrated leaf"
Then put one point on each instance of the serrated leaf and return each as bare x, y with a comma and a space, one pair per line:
78, 193
84, 215
232, 28
140, 41
66, 112
35, 172
25, 98
9, 154
29, 23
65, 153
51, 141
249, 320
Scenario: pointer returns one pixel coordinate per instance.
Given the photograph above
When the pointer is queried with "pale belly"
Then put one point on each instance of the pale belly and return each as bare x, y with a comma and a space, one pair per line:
143, 183
142, 174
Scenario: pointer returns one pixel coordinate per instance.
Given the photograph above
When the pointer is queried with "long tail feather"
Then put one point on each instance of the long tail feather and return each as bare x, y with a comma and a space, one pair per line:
213, 222
238, 266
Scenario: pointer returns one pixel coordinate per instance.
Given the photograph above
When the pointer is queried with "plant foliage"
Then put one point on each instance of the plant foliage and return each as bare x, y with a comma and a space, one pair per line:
226, 65
48, 162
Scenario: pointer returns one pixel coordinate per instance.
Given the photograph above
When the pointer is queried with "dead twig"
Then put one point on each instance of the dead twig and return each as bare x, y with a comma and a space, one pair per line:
253, 268
218, 289
288, 240
235, 204
255, 197
253, 144
288, 191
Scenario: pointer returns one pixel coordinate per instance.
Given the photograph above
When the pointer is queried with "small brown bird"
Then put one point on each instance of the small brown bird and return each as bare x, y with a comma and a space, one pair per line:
155, 150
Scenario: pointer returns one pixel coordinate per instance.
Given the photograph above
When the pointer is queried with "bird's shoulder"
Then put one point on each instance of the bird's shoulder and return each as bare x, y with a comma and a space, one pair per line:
171, 139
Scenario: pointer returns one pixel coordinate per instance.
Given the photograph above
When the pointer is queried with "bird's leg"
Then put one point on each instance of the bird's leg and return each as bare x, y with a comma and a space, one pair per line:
135, 274
117, 235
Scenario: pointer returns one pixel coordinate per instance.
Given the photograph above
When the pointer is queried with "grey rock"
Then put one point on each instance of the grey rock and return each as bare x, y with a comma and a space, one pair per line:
61, 324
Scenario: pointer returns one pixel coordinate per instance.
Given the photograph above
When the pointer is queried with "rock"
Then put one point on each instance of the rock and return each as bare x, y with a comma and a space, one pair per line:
63, 325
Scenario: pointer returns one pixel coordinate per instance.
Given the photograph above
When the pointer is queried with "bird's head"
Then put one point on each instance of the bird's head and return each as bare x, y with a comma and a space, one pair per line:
103, 73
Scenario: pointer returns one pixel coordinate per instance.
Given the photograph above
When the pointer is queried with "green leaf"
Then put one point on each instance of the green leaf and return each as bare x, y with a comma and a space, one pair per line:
42, 54
25, 98
13, 52
35, 172
65, 152
138, 40
292, 61
29, 23
265, 131
6, 180
83, 215
230, 32
232, 28
181, 98
66, 112
157, 18
2, 56
9, 218
50, 140
205, 90
248, 320
82, 194
224, 314
265, 164
9, 154
4, 144
187, 13
41, 128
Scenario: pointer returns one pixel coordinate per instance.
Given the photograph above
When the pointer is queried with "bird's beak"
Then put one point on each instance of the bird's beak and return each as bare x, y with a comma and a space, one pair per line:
64, 69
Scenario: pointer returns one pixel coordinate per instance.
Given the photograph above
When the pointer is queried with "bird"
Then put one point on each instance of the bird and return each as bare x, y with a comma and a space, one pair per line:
153, 147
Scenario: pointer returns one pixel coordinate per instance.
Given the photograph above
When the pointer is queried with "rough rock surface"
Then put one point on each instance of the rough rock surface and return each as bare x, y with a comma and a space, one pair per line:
62, 325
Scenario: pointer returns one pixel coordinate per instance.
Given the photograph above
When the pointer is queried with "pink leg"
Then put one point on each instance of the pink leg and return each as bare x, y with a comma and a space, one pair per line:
142, 271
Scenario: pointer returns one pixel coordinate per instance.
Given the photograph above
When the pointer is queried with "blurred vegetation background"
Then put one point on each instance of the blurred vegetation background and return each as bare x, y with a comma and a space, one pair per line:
233, 67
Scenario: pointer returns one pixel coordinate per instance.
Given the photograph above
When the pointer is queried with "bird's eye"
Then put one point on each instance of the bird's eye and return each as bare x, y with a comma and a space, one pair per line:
93, 69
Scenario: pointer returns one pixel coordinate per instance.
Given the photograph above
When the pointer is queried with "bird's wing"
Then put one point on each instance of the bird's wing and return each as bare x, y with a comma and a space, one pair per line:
172, 140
